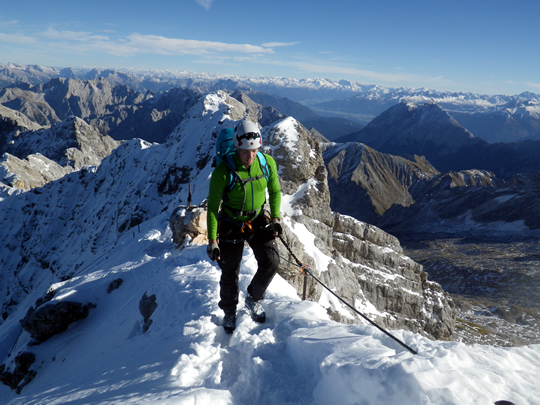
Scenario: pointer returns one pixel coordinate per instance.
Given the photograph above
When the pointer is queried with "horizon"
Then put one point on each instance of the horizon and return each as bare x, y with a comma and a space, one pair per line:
218, 75
457, 47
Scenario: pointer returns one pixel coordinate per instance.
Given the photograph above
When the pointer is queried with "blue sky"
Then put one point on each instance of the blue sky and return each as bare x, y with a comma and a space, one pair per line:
487, 47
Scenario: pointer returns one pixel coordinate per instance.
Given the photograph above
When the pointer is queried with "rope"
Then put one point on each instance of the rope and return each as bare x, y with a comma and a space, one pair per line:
307, 271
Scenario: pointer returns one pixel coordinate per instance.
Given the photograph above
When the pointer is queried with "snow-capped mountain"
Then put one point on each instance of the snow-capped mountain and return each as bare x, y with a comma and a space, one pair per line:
409, 129
31, 159
494, 118
498, 118
115, 109
86, 226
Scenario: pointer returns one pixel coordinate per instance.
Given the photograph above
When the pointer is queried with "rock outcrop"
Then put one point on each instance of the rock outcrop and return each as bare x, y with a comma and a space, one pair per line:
53, 318
188, 225
147, 306
21, 374
32, 159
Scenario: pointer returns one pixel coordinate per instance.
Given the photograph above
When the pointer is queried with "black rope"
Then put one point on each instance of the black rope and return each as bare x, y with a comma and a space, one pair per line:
307, 270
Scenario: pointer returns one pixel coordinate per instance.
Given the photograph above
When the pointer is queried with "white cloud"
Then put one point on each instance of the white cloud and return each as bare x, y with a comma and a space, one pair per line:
135, 44
16, 39
533, 85
8, 23
279, 44
73, 35
205, 3
172, 46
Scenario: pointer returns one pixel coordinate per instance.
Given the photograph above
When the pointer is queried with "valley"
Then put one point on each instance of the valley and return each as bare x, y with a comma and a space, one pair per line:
495, 283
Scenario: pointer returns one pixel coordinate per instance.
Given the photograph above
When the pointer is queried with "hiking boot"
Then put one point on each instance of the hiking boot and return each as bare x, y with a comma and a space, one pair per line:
256, 309
229, 322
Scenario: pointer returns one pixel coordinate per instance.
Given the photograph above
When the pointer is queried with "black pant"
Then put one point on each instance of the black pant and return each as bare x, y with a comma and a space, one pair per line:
231, 245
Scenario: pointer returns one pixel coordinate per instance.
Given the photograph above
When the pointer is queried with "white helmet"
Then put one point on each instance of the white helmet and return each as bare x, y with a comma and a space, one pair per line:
247, 135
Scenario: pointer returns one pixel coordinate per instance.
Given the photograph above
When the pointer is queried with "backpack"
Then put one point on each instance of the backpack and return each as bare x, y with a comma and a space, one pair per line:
225, 151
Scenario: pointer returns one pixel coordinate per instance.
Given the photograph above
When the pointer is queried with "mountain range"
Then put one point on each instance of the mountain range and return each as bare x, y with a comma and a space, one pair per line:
89, 165
494, 118
416, 131
409, 129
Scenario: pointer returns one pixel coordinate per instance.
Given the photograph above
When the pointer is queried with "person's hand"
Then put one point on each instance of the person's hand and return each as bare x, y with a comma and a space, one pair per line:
276, 226
213, 251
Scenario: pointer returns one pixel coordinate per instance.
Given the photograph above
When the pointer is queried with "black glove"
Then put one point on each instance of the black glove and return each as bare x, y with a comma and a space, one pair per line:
213, 251
276, 226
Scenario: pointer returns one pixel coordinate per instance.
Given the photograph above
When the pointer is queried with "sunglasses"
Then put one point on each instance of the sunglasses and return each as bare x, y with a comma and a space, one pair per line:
249, 136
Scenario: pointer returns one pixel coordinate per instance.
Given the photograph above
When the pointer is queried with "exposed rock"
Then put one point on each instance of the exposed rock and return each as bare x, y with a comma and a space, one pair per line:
189, 222
31, 104
115, 285
12, 122
32, 159
256, 112
116, 109
404, 197
462, 203
365, 183
318, 136
53, 318
34, 171
376, 272
21, 372
147, 306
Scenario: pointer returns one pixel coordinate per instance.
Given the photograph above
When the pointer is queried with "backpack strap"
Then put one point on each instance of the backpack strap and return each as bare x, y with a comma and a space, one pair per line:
264, 165
234, 178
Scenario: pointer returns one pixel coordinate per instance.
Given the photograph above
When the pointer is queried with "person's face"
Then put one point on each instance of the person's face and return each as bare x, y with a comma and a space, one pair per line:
247, 156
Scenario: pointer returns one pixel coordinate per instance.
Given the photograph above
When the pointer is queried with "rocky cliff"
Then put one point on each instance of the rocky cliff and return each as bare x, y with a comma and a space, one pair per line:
365, 183
33, 158
115, 109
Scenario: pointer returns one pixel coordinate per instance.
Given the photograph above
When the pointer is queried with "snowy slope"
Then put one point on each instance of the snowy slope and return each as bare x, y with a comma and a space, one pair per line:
98, 225
298, 357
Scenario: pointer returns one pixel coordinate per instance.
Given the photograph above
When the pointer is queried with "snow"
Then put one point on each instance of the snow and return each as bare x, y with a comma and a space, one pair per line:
308, 239
288, 200
299, 356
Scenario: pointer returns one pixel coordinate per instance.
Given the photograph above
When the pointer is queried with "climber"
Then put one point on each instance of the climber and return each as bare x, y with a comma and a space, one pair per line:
242, 218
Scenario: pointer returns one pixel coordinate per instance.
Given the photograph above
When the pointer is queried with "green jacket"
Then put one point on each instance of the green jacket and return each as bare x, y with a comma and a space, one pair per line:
255, 192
